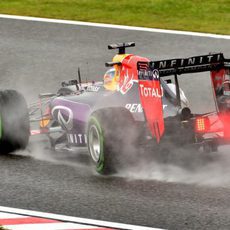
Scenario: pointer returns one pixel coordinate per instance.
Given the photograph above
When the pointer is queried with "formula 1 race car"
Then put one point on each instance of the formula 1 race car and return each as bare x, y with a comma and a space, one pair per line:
136, 104
14, 121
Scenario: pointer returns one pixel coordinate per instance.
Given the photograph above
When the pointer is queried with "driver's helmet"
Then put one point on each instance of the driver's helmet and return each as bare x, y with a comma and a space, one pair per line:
110, 81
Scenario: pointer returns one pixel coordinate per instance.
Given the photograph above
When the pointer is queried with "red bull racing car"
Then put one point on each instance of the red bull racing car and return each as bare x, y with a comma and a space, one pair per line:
136, 104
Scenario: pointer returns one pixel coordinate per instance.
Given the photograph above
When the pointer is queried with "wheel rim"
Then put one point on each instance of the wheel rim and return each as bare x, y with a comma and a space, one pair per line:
94, 143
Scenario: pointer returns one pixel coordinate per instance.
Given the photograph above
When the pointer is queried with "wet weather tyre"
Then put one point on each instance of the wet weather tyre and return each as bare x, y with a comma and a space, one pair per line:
107, 137
15, 128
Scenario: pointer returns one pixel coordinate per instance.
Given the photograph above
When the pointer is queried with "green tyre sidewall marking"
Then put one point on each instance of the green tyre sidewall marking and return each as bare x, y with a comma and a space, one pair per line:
101, 163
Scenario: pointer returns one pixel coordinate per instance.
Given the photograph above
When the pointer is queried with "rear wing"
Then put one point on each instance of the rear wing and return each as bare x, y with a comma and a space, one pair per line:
194, 64
150, 73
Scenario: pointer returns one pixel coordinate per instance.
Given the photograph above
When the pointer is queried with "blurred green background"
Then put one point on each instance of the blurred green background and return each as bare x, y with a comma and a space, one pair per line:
212, 16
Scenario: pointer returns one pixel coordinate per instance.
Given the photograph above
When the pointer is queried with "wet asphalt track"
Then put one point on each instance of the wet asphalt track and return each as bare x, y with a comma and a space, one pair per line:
187, 194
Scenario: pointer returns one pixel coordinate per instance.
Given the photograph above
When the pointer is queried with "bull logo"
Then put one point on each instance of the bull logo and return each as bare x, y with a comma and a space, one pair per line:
126, 83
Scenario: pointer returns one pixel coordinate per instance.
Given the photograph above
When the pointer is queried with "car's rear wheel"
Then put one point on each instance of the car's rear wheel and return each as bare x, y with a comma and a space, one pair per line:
109, 138
15, 128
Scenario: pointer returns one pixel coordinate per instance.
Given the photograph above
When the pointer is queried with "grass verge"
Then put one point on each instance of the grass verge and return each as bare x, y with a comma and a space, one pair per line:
190, 15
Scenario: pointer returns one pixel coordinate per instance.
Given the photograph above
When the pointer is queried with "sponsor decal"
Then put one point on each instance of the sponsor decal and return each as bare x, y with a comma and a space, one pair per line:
150, 91
137, 108
134, 108
197, 60
77, 138
148, 74
64, 115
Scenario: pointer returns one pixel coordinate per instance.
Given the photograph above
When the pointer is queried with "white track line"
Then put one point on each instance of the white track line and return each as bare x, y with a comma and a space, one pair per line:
102, 25
74, 219
50, 226
4, 215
